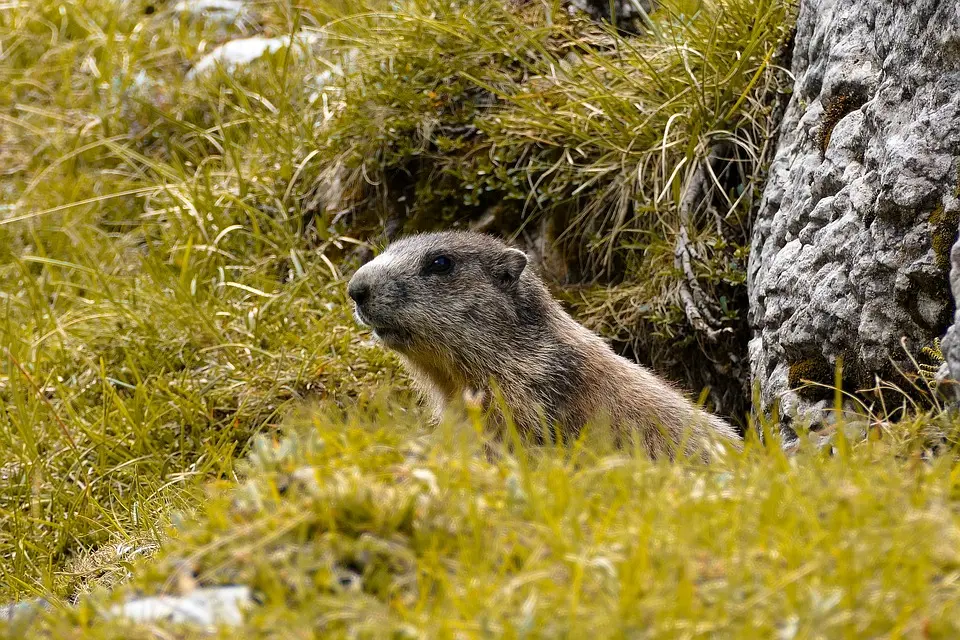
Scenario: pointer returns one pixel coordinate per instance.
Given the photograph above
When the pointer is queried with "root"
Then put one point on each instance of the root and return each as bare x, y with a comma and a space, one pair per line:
696, 302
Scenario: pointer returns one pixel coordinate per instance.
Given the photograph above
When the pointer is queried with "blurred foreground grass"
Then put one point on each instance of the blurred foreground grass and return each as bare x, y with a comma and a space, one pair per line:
171, 289
363, 524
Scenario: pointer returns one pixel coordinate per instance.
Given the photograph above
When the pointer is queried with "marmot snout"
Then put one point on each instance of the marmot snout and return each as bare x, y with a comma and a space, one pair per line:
464, 311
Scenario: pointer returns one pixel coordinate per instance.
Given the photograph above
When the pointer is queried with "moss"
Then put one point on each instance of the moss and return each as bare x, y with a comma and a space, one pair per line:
811, 370
834, 110
931, 357
933, 352
943, 234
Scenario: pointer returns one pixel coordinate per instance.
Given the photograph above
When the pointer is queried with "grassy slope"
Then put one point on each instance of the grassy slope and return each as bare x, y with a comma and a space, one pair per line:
147, 336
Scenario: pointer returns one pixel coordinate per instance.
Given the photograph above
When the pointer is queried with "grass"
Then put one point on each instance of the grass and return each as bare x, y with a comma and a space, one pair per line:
365, 524
183, 388
161, 300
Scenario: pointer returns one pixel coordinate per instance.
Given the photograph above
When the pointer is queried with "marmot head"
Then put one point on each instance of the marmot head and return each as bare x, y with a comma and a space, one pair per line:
441, 293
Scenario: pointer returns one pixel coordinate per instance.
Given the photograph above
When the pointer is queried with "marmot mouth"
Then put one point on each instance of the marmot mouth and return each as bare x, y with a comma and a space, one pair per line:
390, 335
386, 334
358, 316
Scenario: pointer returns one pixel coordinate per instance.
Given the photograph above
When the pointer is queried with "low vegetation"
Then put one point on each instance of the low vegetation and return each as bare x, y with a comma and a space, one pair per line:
187, 400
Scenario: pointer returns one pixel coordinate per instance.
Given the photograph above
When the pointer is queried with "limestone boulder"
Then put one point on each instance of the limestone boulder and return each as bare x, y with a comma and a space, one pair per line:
851, 247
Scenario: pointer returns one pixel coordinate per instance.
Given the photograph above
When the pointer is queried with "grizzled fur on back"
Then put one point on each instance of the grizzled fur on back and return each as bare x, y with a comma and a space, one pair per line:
466, 315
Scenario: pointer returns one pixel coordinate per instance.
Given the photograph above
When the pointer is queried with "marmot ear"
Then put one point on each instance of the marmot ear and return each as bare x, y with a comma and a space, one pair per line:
511, 264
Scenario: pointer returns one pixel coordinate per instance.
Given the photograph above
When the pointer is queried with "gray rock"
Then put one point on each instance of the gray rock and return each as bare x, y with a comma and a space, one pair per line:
202, 607
949, 374
849, 245
207, 608
19, 616
628, 15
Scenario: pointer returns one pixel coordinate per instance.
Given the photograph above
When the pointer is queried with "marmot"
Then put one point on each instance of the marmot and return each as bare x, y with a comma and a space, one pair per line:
467, 316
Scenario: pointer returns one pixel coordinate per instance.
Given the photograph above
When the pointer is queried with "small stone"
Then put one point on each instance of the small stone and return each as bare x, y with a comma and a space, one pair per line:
21, 615
243, 51
208, 607
428, 478
225, 11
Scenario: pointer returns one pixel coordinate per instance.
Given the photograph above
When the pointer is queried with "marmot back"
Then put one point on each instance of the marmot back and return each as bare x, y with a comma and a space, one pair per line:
464, 313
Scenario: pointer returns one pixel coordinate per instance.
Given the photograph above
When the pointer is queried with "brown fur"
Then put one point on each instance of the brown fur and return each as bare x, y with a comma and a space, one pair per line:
490, 325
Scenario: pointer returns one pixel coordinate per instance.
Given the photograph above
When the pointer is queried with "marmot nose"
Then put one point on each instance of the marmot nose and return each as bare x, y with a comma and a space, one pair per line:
359, 291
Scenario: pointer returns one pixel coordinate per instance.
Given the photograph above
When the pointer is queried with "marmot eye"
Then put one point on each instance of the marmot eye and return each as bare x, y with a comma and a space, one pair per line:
440, 265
